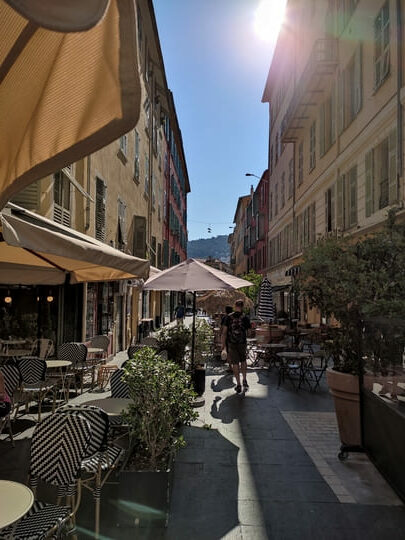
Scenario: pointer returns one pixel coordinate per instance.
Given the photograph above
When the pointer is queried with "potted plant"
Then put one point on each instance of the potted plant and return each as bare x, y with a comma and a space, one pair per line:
204, 339
352, 282
161, 402
174, 340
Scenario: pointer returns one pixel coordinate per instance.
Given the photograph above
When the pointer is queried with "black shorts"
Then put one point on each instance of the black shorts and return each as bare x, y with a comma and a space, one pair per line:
237, 352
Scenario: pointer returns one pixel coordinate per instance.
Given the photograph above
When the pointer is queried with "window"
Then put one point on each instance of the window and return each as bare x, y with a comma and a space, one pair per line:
300, 163
312, 145
271, 159
100, 209
346, 205
139, 27
139, 247
146, 175
282, 195
276, 200
381, 175
153, 190
290, 178
153, 251
382, 44
61, 197
276, 148
344, 10
330, 210
137, 153
350, 90
159, 255
124, 144
146, 107
327, 124
271, 206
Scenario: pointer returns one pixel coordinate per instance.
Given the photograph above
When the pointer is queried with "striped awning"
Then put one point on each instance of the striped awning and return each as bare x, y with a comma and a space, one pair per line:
265, 310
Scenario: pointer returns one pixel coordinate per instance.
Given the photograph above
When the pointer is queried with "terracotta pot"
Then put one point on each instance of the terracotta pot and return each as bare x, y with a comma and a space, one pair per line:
345, 391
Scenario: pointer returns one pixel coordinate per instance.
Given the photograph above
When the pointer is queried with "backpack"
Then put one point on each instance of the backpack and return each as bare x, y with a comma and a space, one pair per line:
236, 329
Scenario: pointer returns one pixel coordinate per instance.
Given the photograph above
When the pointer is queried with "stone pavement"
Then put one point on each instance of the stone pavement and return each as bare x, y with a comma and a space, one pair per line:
264, 466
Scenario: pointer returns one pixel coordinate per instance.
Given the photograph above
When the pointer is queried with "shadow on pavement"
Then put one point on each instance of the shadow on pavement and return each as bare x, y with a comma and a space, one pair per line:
205, 490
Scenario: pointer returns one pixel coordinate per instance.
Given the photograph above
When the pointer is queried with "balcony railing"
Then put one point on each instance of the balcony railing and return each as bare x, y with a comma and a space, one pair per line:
311, 85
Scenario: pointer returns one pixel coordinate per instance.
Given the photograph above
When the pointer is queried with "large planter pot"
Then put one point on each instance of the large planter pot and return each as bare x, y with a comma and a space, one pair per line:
199, 379
346, 396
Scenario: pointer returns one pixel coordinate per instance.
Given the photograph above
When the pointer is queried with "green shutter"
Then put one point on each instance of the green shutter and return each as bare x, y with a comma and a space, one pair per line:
369, 183
332, 207
139, 248
333, 115
341, 102
392, 167
326, 210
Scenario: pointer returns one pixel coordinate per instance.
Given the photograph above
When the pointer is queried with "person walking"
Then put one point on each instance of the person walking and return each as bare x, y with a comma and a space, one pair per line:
179, 311
236, 325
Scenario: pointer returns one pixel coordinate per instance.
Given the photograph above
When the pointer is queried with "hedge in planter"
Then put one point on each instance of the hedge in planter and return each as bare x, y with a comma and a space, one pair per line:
161, 401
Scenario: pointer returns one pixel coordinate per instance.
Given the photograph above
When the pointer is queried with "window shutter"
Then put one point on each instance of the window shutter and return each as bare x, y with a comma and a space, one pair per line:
333, 115
358, 90
369, 183
332, 208
341, 102
322, 130
140, 237
28, 197
353, 197
392, 166
340, 203
100, 209
312, 230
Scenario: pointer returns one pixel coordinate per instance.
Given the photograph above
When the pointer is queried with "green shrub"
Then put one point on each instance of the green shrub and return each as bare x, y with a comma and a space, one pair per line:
174, 340
204, 337
161, 403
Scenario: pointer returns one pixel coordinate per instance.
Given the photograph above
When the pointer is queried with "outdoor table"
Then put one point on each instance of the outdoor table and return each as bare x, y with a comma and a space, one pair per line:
270, 350
112, 406
15, 501
285, 368
60, 364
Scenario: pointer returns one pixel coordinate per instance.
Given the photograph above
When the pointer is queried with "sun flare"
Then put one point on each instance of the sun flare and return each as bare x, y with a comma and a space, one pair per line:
269, 17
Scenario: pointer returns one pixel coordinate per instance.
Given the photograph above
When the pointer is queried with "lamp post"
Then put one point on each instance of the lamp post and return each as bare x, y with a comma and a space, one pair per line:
251, 174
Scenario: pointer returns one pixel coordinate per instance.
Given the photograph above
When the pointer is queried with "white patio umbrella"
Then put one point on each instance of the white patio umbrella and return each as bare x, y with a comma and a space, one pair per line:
192, 276
265, 310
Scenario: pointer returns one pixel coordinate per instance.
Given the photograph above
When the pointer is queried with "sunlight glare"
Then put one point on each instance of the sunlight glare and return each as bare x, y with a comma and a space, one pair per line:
269, 17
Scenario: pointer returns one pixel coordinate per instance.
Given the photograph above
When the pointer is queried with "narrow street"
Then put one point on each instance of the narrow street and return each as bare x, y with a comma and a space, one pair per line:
265, 465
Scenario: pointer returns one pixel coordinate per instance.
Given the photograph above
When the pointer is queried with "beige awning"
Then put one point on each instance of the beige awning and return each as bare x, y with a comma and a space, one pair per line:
69, 84
35, 250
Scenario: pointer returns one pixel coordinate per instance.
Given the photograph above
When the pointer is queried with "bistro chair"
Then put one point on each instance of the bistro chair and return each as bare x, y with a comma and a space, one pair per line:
11, 376
100, 459
43, 348
101, 342
77, 354
119, 388
58, 447
33, 383
149, 341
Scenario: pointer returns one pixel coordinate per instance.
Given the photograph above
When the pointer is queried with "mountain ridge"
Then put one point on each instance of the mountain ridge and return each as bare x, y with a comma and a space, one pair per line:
216, 247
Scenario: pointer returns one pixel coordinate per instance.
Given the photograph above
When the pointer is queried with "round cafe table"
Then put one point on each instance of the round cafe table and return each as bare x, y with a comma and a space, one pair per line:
60, 364
112, 406
15, 501
52, 364
95, 350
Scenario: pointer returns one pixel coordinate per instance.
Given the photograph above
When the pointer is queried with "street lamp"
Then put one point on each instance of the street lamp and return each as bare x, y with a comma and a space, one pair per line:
251, 174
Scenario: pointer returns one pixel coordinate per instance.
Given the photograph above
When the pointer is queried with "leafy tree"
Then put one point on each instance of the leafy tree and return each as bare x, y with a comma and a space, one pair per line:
362, 285
253, 291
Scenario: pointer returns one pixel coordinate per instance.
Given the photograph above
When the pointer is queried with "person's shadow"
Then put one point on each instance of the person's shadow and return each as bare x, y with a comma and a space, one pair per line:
228, 409
225, 382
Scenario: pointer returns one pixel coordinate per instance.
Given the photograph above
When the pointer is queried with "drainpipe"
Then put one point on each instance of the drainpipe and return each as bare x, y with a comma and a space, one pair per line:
399, 87
87, 218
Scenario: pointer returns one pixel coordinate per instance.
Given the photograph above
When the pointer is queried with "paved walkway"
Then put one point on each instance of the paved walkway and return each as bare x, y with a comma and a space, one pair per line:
264, 466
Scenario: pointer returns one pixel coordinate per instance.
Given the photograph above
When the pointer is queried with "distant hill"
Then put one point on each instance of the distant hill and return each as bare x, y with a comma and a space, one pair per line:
217, 248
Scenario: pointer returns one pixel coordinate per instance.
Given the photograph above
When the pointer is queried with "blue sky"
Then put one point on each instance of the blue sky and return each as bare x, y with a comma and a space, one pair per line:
216, 66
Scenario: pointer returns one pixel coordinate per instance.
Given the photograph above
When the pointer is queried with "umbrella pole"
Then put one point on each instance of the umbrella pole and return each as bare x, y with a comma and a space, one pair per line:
193, 332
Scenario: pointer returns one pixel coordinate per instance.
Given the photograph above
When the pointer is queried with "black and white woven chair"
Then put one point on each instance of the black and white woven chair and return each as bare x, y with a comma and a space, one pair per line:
101, 459
58, 446
119, 388
11, 376
77, 354
34, 386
